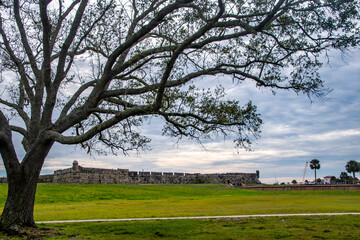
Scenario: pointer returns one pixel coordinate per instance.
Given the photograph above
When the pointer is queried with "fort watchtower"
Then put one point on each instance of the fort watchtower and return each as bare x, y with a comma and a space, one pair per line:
75, 166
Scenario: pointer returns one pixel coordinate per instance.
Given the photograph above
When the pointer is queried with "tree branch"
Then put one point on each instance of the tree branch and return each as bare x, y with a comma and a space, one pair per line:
121, 102
65, 47
142, 32
138, 57
7, 149
199, 118
20, 130
60, 21
75, 96
153, 87
120, 116
60, 71
180, 49
46, 66
24, 39
269, 18
17, 62
19, 110
93, 99
133, 25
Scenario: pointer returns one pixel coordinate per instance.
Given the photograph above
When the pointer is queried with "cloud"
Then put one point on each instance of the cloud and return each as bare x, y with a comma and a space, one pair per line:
332, 135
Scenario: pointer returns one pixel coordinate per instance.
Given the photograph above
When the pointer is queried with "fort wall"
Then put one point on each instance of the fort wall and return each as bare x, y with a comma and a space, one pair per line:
81, 175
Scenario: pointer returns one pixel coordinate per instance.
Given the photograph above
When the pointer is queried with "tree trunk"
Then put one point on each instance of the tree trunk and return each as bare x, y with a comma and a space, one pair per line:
354, 179
22, 178
19, 208
22, 182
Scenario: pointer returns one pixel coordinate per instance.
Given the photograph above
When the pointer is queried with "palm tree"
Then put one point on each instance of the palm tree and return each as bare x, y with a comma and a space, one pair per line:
352, 166
315, 164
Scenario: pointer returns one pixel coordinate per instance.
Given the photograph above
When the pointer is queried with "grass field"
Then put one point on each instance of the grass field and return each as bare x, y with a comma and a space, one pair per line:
63, 202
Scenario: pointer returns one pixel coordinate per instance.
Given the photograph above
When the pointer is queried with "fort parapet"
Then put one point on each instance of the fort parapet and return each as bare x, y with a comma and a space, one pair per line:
81, 175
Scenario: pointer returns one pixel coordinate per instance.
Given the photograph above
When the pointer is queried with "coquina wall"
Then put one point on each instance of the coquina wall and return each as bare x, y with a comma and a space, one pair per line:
81, 175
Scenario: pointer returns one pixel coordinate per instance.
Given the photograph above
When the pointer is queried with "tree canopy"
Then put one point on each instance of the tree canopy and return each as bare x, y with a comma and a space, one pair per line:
352, 166
315, 164
102, 64
89, 72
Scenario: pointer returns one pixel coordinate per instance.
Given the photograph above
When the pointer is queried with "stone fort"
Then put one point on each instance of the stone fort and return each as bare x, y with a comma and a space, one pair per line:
81, 175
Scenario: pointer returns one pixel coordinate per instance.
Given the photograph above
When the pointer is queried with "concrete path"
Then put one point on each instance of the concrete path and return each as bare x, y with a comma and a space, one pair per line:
199, 217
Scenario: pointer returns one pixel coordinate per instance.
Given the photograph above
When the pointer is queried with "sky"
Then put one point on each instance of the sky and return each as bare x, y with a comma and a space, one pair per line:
295, 130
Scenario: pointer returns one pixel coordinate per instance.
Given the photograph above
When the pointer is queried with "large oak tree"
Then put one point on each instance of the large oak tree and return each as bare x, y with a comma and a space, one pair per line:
89, 72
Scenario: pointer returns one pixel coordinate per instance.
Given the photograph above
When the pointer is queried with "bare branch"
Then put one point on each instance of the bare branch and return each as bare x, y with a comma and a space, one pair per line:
20, 130
18, 63
46, 66
76, 95
60, 71
120, 116
83, 37
19, 110
24, 39
60, 21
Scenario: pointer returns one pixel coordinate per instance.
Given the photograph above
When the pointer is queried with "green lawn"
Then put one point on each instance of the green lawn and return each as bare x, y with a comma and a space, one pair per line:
64, 202
296, 228
340, 227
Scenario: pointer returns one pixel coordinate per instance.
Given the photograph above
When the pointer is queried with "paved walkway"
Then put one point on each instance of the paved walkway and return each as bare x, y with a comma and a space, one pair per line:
199, 217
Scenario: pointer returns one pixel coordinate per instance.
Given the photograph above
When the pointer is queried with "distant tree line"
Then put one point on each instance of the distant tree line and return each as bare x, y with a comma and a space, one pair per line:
351, 166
